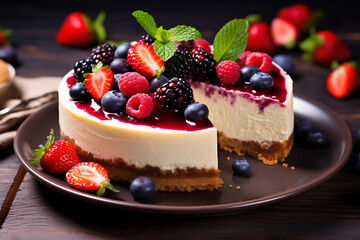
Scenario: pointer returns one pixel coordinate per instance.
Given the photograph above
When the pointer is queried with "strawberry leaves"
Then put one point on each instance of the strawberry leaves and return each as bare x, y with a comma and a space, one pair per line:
39, 152
164, 45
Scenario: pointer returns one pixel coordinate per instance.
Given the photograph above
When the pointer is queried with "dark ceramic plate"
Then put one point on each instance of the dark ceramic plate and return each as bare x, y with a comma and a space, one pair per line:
264, 185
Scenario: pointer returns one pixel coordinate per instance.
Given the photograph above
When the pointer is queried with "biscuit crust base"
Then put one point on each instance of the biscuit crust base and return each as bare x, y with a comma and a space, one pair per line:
269, 153
181, 179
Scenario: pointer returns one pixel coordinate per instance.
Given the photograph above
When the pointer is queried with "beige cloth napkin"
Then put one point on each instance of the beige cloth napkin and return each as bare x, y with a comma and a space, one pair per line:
22, 89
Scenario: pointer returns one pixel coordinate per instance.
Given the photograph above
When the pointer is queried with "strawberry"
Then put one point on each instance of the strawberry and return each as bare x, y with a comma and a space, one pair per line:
284, 33
78, 30
89, 177
325, 47
99, 81
259, 38
56, 157
342, 81
298, 14
4, 34
143, 59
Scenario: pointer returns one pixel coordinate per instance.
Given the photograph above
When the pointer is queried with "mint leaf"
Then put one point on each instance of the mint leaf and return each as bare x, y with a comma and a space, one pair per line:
146, 21
184, 33
231, 40
99, 29
162, 35
165, 50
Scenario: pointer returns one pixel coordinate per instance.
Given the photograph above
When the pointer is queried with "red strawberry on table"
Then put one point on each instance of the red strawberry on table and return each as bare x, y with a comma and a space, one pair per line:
259, 38
89, 177
78, 30
143, 59
4, 34
99, 81
298, 14
56, 157
325, 47
284, 33
343, 81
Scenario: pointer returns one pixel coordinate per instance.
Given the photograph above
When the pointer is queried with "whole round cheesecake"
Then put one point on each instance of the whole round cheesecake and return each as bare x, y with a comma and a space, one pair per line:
175, 155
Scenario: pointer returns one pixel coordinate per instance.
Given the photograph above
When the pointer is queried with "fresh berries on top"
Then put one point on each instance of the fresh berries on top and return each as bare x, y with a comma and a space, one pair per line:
142, 188
204, 65
99, 81
261, 81
246, 72
122, 50
56, 157
78, 30
120, 65
79, 93
103, 53
343, 81
260, 39
140, 105
147, 38
174, 95
228, 72
285, 62
196, 112
157, 82
143, 59
325, 47
284, 33
203, 44
260, 60
298, 14
89, 177
179, 65
131, 83
114, 102
81, 67
242, 58
184, 46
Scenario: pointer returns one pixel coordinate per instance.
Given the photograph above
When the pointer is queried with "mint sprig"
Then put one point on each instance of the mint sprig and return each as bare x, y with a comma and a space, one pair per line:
164, 45
231, 40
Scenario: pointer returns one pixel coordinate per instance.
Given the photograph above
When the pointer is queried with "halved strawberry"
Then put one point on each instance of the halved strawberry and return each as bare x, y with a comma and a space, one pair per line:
343, 81
89, 177
99, 82
284, 33
143, 59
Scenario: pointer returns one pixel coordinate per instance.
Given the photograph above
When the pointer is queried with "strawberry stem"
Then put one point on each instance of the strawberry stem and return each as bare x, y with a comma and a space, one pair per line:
39, 152
106, 185
99, 29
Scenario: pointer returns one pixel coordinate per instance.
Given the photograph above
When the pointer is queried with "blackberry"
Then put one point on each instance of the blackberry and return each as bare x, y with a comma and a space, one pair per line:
81, 67
179, 65
104, 53
185, 46
175, 95
148, 39
204, 65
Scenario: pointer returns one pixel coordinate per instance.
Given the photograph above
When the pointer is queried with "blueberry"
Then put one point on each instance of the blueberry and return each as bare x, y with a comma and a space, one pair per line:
302, 127
285, 62
241, 167
116, 81
8, 54
122, 50
79, 93
261, 81
316, 139
157, 82
247, 71
142, 188
196, 112
120, 65
114, 102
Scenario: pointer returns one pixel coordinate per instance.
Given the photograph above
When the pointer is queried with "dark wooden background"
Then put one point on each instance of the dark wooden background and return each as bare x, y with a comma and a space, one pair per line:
329, 211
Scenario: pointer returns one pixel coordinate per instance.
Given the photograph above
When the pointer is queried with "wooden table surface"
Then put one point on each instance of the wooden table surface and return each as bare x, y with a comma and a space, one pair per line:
329, 211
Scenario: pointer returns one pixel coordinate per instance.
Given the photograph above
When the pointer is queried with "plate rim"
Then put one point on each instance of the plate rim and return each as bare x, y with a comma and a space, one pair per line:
214, 209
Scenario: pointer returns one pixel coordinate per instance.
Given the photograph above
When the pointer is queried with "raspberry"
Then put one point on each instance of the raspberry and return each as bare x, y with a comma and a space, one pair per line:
260, 60
242, 59
228, 72
131, 83
139, 105
203, 44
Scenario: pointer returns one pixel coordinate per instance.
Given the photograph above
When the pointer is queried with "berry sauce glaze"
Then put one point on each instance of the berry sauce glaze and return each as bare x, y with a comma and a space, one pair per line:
157, 119
276, 94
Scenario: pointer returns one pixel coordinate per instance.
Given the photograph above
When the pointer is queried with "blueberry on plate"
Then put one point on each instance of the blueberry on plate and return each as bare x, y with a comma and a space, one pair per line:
9, 55
196, 112
157, 82
285, 62
302, 127
261, 81
142, 188
316, 139
246, 72
120, 65
114, 102
241, 167
79, 93
122, 50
